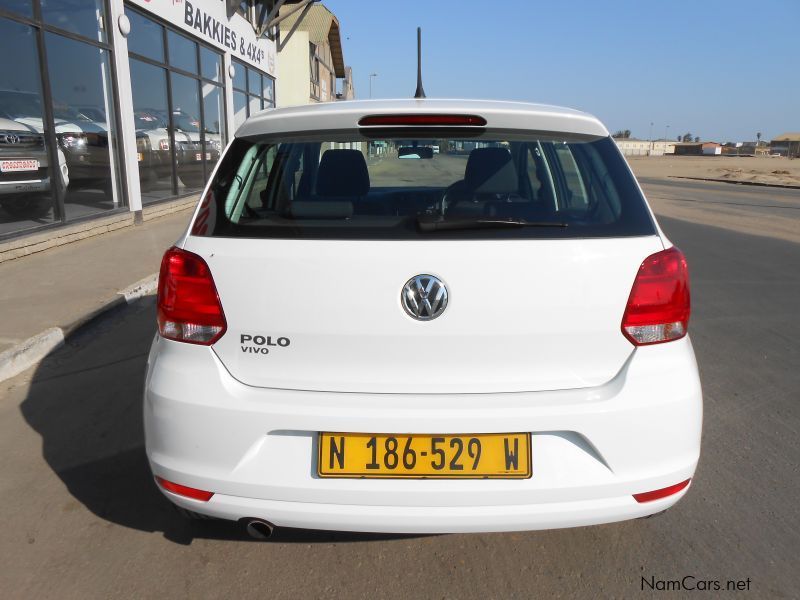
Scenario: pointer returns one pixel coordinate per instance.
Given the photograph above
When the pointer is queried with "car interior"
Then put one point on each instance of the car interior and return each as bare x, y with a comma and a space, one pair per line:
531, 181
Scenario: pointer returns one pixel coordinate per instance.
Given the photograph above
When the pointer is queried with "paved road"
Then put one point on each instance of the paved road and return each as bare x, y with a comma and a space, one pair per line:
773, 212
81, 517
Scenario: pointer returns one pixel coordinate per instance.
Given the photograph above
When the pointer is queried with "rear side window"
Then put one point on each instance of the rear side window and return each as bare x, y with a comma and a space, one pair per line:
345, 186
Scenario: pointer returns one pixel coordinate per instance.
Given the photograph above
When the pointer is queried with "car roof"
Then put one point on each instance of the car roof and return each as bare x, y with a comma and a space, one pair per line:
345, 115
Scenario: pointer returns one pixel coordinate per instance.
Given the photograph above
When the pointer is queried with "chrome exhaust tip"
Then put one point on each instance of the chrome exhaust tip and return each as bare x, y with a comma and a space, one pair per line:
259, 529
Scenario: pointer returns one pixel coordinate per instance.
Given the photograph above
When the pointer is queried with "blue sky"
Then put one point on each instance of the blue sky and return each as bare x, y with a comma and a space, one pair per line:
722, 69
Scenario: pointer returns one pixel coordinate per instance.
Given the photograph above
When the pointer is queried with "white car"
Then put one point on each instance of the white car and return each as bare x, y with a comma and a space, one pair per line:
492, 338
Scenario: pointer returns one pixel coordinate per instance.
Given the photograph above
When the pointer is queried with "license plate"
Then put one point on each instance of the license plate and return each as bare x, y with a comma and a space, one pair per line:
140, 156
425, 456
12, 166
199, 156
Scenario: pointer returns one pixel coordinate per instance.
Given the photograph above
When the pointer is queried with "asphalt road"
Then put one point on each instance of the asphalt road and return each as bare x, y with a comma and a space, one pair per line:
81, 517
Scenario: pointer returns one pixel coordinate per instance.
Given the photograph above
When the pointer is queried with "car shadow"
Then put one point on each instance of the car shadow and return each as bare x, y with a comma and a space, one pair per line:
85, 400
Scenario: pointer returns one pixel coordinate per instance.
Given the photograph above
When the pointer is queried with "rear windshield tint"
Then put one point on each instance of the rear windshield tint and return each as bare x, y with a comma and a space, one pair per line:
345, 186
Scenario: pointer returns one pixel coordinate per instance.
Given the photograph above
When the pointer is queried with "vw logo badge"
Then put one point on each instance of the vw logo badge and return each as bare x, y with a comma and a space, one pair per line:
424, 297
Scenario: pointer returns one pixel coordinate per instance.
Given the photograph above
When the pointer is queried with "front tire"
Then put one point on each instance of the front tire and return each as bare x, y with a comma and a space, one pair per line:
27, 206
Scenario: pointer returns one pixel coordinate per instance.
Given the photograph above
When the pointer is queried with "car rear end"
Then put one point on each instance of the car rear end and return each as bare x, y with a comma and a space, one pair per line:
358, 333
23, 161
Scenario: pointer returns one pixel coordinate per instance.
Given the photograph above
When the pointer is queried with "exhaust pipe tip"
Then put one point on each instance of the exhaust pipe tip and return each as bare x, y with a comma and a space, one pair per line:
259, 529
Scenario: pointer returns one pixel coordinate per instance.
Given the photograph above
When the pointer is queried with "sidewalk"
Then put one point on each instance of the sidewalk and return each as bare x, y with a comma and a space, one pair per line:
60, 287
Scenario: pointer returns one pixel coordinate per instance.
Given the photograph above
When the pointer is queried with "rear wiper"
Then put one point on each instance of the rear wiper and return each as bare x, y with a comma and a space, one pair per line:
442, 224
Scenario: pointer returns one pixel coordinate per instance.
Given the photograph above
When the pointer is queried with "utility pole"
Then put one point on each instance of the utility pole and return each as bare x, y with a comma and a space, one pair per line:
371, 75
666, 129
650, 140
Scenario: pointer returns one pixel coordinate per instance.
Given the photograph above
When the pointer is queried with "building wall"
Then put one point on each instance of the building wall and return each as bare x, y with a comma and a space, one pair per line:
298, 83
294, 72
644, 148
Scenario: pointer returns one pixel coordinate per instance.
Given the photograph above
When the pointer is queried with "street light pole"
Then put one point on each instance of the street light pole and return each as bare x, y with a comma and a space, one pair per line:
666, 129
650, 140
371, 75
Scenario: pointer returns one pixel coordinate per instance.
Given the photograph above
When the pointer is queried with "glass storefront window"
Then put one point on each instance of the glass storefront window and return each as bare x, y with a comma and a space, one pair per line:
18, 6
239, 76
146, 37
182, 52
269, 92
211, 64
254, 82
214, 124
180, 133
186, 123
252, 92
239, 108
27, 181
151, 117
80, 80
255, 105
83, 17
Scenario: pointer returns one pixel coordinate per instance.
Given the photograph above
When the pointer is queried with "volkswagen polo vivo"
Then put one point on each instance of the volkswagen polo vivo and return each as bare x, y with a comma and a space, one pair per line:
359, 333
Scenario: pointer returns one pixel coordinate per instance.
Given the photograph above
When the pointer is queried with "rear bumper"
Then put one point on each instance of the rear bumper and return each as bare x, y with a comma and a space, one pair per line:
592, 448
24, 186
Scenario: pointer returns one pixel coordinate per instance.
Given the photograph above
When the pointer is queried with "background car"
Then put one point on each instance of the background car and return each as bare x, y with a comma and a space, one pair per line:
25, 175
83, 142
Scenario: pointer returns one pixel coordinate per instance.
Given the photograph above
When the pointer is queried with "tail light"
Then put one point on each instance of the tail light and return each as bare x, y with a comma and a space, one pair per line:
189, 309
183, 490
662, 493
658, 308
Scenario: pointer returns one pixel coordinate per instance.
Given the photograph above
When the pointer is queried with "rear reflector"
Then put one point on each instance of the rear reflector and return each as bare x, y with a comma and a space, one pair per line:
189, 309
182, 490
426, 120
659, 305
662, 493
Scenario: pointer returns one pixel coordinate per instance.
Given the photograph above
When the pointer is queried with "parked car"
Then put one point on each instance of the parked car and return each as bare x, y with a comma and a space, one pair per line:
25, 175
153, 147
153, 142
190, 150
83, 142
489, 340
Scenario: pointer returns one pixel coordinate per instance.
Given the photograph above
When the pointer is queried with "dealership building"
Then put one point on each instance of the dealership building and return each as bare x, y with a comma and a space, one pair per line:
113, 108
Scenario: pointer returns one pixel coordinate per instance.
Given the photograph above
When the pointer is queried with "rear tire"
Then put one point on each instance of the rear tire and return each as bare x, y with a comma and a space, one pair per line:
192, 181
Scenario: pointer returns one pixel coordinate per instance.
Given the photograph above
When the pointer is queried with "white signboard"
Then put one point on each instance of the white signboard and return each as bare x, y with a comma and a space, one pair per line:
208, 20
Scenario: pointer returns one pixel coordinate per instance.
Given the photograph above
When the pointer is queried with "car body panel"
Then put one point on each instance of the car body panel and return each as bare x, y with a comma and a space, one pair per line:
517, 305
530, 342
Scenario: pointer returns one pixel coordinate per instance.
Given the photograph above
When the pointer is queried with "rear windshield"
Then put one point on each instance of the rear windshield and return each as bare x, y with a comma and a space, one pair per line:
345, 186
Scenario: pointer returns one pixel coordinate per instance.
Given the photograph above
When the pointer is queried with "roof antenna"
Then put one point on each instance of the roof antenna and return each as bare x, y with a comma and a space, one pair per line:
420, 93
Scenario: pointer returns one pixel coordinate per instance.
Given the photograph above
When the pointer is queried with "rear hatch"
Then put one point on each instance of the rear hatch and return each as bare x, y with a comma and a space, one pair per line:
311, 239
521, 316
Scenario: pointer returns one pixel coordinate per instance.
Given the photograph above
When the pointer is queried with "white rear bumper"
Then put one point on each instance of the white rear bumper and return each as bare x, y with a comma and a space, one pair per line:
592, 448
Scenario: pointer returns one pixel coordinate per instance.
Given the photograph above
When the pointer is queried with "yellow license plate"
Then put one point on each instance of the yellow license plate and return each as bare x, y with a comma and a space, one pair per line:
140, 156
478, 456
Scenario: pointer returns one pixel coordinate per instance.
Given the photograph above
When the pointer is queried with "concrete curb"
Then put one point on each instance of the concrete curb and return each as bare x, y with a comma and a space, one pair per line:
28, 353
758, 183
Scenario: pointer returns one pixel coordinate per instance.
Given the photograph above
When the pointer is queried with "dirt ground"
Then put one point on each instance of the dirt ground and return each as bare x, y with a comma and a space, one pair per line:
775, 170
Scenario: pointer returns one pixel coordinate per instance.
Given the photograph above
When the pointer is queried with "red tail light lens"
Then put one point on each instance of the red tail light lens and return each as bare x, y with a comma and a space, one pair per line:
424, 120
659, 305
182, 490
189, 309
662, 493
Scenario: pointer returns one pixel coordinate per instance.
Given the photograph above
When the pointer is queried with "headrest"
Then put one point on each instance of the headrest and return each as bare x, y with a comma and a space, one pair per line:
342, 173
491, 171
